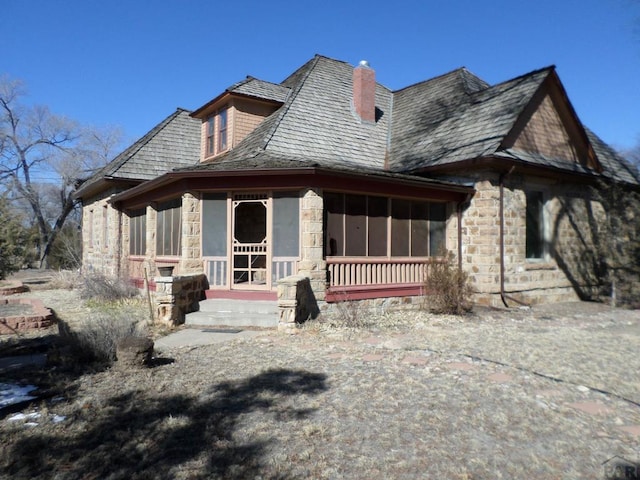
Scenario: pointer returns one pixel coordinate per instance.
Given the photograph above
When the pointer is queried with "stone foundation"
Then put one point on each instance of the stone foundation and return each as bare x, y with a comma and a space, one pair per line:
176, 296
378, 305
296, 302
11, 287
40, 316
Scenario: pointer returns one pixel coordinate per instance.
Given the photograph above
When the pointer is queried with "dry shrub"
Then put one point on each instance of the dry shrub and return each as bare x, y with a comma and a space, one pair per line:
65, 280
448, 289
349, 314
95, 340
100, 287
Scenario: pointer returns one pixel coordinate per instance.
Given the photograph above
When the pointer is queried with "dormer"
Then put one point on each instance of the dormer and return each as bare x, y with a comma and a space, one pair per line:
231, 116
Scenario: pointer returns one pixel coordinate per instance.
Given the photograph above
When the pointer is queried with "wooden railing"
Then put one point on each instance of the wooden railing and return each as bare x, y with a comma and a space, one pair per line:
215, 268
362, 272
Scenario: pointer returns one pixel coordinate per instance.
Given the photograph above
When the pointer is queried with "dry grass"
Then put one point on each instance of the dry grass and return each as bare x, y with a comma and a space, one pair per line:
485, 396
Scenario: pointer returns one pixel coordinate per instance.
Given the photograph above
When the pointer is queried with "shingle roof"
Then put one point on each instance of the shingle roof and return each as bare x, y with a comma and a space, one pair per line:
615, 166
260, 89
318, 124
173, 143
450, 118
466, 124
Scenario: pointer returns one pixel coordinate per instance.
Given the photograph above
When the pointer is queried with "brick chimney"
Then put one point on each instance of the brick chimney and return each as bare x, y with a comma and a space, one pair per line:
364, 92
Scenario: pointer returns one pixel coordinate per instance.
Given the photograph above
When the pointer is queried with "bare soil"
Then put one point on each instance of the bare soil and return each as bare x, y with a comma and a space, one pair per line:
547, 393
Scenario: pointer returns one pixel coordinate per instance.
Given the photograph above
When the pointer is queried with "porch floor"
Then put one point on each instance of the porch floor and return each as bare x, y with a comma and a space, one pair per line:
235, 313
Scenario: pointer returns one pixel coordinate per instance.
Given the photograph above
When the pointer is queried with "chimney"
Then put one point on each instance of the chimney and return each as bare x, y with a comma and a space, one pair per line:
364, 92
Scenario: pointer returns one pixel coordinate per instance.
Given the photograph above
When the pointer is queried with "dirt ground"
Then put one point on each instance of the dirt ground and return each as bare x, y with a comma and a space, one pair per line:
548, 393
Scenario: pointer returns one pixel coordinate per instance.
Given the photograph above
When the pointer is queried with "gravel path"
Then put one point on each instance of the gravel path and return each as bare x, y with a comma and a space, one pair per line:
547, 393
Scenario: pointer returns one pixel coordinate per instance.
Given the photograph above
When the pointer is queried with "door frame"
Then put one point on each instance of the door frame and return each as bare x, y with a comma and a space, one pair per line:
235, 249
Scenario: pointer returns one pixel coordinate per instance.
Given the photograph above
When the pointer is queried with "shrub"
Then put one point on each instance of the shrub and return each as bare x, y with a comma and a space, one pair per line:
349, 313
95, 340
97, 286
448, 289
65, 280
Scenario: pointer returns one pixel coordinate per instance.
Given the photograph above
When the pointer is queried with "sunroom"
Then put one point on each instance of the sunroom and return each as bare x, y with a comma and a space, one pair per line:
354, 235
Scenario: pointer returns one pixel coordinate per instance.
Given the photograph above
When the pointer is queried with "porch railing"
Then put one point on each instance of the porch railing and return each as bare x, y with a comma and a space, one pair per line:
362, 272
216, 269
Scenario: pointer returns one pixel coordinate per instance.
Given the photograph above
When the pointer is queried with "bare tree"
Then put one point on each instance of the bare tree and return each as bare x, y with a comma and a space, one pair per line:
35, 142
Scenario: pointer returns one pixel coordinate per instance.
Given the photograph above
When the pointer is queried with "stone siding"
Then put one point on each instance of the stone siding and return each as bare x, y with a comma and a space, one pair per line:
191, 259
100, 248
176, 296
312, 263
568, 270
296, 302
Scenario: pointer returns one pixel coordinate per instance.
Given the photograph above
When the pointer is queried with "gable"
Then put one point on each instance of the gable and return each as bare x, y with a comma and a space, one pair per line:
549, 127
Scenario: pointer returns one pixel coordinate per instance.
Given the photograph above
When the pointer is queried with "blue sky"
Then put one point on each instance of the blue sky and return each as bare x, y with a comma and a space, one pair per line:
131, 63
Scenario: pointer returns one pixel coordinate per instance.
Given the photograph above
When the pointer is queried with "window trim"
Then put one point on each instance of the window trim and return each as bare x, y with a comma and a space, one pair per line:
341, 217
105, 227
542, 214
173, 206
137, 232
217, 132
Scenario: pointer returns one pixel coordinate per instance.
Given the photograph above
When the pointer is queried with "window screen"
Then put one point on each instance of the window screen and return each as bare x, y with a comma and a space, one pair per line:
355, 225
334, 224
286, 225
535, 225
138, 232
214, 225
437, 229
169, 228
378, 214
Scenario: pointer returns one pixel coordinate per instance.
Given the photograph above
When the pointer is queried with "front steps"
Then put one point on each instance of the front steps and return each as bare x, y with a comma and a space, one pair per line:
235, 313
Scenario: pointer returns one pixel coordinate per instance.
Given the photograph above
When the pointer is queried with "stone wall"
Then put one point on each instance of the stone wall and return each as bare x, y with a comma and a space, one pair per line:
191, 260
296, 302
312, 263
568, 270
101, 239
176, 296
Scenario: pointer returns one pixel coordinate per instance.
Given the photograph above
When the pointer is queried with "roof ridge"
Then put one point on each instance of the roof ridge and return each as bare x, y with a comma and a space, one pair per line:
429, 80
125, 155
291, 98
549, 68
144, 140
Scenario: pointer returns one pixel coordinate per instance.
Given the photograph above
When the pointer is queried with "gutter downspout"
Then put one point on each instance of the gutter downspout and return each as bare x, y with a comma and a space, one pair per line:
459, 214
119, 246
503, 295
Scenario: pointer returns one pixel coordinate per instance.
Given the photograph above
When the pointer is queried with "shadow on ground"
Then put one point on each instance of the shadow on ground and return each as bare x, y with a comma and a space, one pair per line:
133, 436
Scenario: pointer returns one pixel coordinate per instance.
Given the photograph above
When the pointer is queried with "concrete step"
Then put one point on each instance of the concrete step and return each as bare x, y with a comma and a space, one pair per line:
235, 313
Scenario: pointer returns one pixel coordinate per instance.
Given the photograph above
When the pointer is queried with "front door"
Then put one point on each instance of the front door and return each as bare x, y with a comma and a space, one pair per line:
250, 265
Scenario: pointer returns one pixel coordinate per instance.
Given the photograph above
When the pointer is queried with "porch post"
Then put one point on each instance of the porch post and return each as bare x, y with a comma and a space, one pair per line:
190, 257
312, 264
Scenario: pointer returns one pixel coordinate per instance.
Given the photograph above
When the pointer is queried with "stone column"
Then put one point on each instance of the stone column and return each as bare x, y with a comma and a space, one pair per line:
190, 258
312, 264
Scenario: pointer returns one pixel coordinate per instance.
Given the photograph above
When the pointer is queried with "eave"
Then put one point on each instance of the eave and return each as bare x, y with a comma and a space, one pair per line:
103, 184
505, 163
172, 184
204, 111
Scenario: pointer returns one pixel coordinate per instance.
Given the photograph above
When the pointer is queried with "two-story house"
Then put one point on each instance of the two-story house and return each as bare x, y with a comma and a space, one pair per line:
333, 176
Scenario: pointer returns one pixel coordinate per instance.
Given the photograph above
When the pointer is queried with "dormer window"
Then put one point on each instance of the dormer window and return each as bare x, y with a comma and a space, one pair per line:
217, 132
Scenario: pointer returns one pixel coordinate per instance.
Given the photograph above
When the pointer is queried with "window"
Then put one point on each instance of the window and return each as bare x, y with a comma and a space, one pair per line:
105, 226
217, 128
211, 125
169, 228
137, 232
535, 246
90, 222
222, 130
360, 225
